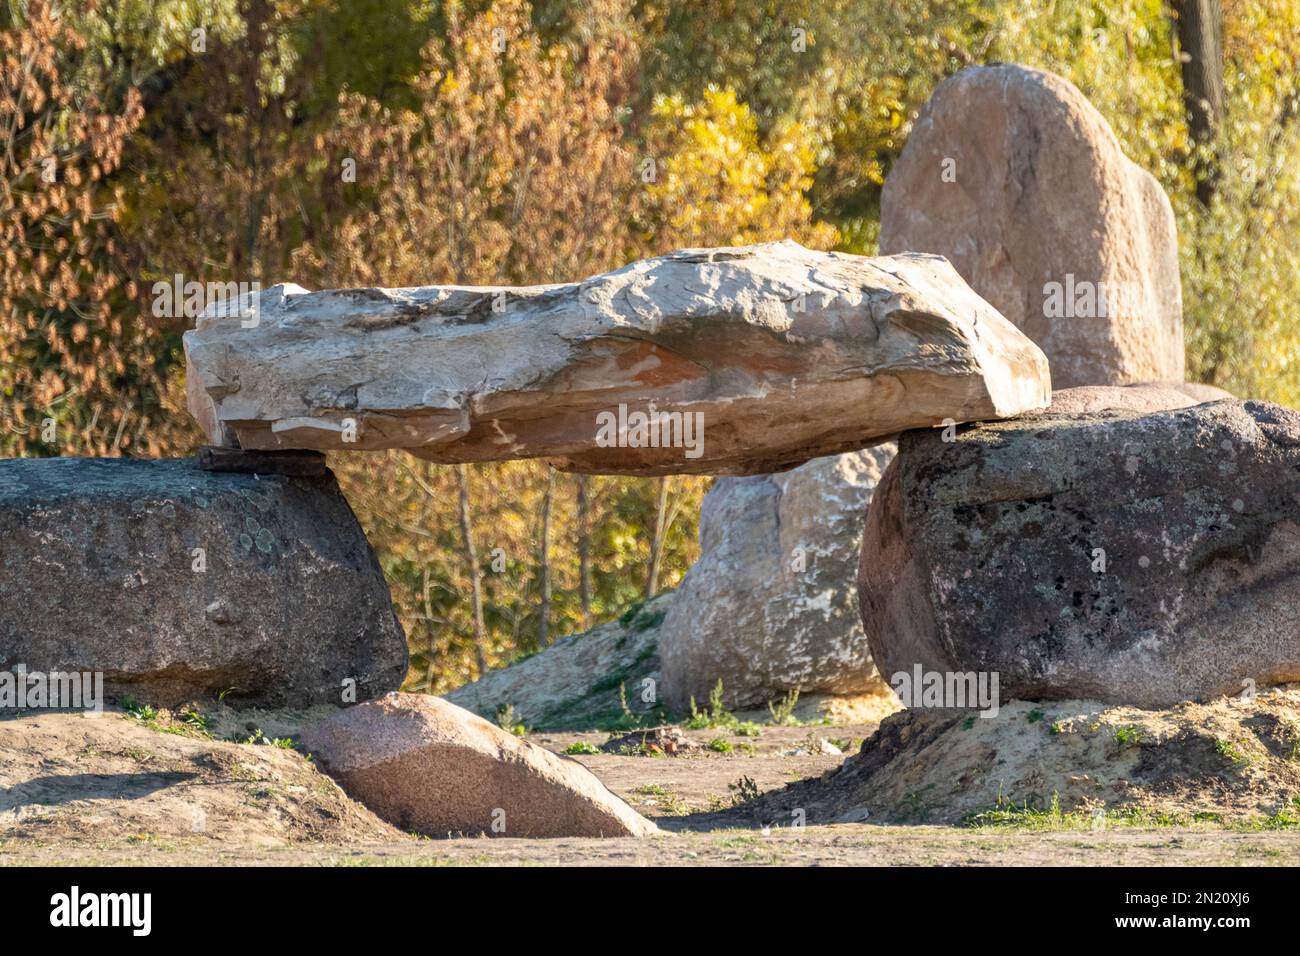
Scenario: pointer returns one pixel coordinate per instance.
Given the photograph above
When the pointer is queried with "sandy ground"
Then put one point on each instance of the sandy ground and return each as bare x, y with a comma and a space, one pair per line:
844, 845
120, 790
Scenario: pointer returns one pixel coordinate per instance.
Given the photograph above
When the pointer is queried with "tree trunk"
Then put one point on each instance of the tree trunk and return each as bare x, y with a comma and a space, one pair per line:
657, 544
584, 547
433, 643
544, 563
1200, 43
471, 565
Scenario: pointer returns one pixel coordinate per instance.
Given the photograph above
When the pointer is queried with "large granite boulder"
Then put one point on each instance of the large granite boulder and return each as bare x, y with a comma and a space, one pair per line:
1016, 178
425, 765
707, 361
771, 605
1132, 557
180, 584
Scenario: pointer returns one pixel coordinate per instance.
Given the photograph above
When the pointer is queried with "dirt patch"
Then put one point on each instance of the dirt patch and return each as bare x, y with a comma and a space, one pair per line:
1063, 763
709, 769
68, 778
1199, 784
856, 845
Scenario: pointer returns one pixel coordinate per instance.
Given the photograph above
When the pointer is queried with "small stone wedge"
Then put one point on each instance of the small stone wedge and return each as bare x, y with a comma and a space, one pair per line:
425, 765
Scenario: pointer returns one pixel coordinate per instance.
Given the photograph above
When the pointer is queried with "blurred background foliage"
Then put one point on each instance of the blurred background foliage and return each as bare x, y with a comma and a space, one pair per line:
507, 142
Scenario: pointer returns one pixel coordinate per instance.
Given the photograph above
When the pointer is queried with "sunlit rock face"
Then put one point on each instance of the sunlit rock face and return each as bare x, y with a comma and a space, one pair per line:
1014, 177
771, 605
710, 361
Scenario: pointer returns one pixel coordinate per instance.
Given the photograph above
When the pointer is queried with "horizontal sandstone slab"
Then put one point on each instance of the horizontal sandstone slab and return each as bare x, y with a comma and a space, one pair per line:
179, 584
763, 357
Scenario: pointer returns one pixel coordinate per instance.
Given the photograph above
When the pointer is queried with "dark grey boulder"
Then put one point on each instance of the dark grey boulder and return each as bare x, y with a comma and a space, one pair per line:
181, 584
1132, 557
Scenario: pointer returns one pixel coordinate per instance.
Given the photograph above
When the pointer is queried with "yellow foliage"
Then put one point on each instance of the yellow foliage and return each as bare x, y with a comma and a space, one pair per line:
711, 181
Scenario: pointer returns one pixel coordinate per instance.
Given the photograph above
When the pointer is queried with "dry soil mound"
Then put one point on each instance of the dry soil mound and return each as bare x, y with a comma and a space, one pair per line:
65, 776
1232, 760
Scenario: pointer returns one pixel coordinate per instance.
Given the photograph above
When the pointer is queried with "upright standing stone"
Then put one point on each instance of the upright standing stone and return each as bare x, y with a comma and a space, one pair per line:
1014, 176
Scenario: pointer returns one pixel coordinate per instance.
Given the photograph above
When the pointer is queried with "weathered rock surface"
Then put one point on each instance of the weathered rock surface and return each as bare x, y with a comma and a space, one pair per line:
771, 605
1198, 391
770, 355
1016, 178
180, 584
428, 766
575, 683
1129, 557
1146, 397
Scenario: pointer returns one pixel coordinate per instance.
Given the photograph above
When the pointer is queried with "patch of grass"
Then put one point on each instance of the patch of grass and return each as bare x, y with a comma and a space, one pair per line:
1285, 818
138, 710
782, 711
1230, 751
192, 724
1007, 815
1127, 736
197, 720
506, 720
638, 749
581, 747
720, 745
1293, 741
715, 716
258, 738
914, 806
735, 842
665, 799
1034, 716
743, 791
405, 861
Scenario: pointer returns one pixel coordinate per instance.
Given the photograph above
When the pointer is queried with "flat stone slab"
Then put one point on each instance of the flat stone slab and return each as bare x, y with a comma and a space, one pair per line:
180, 584
708, 361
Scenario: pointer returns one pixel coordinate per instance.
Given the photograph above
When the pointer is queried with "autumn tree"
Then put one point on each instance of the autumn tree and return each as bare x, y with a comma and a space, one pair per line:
80, 369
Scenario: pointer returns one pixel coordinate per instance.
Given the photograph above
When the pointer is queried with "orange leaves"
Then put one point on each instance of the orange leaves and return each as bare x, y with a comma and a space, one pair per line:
62, 347
511, 167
